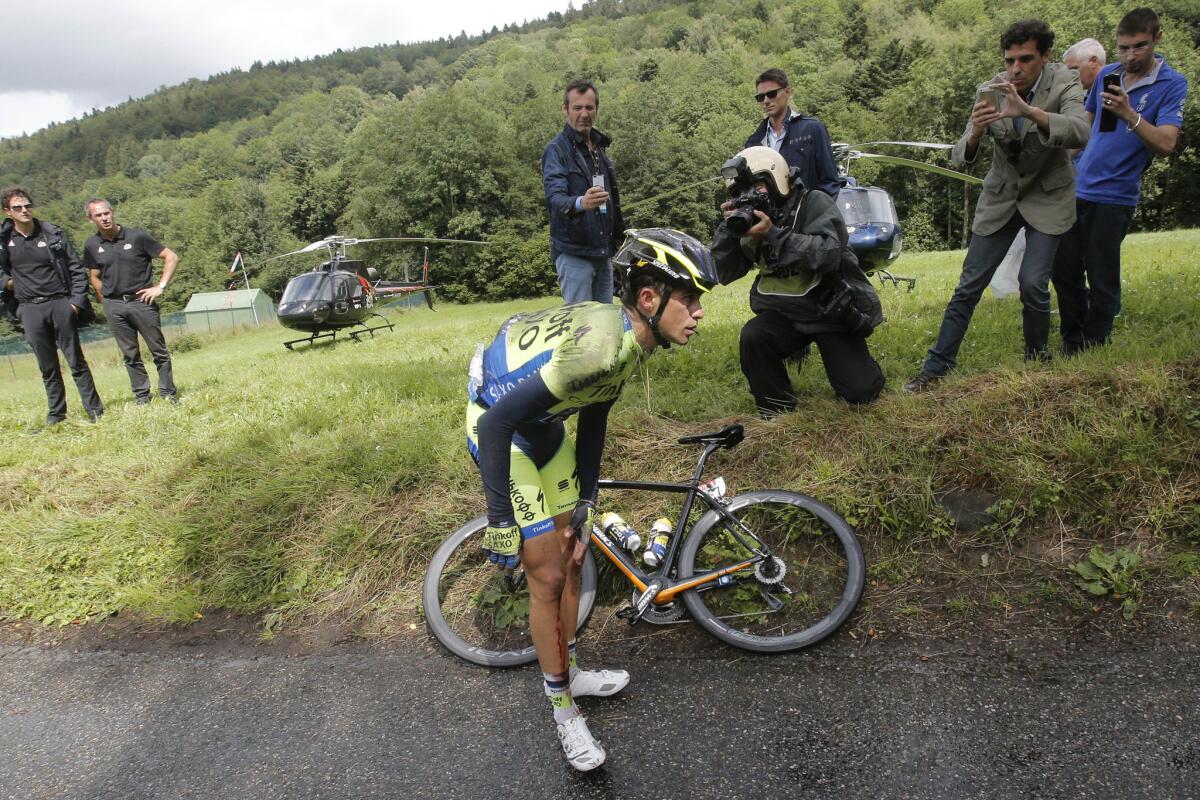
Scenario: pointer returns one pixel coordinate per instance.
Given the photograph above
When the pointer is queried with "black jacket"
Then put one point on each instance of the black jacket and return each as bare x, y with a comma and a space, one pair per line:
66, 261
802, 262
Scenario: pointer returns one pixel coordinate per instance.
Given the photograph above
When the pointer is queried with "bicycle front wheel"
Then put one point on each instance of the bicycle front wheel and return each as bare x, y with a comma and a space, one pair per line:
809, 587
478, 614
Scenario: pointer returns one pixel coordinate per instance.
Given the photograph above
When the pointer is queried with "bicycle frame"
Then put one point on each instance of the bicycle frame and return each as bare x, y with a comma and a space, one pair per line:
666, 589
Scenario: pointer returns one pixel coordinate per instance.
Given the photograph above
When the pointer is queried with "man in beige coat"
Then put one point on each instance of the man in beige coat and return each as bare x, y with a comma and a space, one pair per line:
1033, 111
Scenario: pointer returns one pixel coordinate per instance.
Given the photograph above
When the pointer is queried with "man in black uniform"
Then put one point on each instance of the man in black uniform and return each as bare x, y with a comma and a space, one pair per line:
40, 267
809, 289
122, 274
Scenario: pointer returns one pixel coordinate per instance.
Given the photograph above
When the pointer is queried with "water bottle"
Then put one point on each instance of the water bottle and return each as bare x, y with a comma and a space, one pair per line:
625, 536
714, 488
656, 542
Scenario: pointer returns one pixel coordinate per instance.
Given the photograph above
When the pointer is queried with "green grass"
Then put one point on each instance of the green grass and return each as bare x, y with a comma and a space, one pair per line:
306, 483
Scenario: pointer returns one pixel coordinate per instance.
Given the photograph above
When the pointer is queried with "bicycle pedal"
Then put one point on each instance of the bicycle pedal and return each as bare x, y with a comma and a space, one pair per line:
629, 613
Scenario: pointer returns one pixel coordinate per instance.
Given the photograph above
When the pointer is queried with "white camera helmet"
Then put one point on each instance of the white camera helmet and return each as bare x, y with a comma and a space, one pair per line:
762, 163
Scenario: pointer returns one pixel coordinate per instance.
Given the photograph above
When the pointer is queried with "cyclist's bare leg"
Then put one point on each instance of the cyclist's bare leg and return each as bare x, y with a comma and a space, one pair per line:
568, 611
553, 592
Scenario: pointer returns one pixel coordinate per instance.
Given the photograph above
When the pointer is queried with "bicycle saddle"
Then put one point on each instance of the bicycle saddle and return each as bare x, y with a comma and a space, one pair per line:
727, 437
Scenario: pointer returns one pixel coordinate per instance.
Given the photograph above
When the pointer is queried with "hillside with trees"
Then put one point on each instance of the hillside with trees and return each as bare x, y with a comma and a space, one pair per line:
445, 138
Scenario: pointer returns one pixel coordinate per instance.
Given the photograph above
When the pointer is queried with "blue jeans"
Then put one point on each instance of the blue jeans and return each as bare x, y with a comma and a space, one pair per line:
582, 279
983, 257
1087, 273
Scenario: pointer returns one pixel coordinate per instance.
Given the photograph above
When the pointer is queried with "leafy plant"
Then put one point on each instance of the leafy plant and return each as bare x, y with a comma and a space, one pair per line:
506, 608
186, 343
1114, 573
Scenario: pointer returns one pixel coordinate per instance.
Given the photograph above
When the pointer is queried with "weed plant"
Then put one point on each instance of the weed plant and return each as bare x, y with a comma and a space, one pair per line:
312, 483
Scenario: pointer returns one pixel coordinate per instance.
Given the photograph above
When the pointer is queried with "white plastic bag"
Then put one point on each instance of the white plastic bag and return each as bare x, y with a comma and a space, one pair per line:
1004, 281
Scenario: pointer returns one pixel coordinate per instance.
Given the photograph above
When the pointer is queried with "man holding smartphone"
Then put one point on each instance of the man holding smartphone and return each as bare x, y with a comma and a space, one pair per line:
1140, 100
580, 183
1029, 187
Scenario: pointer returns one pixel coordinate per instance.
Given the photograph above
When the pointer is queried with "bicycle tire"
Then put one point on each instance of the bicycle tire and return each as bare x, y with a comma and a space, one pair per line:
825, 567
477, 632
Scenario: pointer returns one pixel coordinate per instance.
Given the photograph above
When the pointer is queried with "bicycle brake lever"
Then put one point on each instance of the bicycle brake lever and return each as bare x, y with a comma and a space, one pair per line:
513, 578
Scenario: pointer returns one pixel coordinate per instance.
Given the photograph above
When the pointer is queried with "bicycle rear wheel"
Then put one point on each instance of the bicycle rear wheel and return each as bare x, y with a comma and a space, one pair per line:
773, 610
475, 613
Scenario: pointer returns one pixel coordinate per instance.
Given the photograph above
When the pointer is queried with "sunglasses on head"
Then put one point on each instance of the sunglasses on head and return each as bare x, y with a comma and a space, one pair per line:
20, 206
758, 98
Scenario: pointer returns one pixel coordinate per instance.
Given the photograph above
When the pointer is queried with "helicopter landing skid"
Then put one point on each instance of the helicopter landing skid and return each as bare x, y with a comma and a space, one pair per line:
387, 325
896, 280
311, 339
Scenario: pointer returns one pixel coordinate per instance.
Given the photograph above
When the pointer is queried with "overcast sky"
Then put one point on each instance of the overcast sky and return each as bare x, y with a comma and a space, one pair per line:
84, 55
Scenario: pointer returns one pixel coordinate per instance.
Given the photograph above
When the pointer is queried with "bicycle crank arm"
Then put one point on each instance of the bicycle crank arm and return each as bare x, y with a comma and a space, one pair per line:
634, 612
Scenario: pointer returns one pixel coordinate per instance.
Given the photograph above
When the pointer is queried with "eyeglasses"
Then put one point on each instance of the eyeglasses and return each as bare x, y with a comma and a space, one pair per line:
20, 207
1140, 47
758, 98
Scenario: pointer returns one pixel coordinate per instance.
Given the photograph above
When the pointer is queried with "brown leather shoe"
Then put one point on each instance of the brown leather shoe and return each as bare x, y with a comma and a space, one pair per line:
923, 382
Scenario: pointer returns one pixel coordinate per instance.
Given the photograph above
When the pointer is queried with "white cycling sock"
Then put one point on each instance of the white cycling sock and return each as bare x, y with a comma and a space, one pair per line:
558, 689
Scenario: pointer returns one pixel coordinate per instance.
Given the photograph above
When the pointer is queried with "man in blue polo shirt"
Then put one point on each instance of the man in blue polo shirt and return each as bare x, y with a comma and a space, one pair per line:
1147, 104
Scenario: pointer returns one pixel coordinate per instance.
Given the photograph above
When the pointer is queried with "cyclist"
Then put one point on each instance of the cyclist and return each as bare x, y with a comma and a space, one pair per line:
541, 489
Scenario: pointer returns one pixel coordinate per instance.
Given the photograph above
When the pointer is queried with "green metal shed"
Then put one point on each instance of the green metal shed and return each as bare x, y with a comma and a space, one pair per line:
207, 311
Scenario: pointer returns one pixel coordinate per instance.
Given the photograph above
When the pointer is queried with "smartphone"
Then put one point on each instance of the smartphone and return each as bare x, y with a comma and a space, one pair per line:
991, 96
598, 182
1108, 120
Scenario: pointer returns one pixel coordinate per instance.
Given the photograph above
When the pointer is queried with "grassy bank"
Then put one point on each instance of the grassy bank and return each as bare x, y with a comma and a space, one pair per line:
312, 483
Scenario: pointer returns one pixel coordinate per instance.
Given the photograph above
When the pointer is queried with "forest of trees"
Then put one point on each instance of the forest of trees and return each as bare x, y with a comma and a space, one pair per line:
445, 138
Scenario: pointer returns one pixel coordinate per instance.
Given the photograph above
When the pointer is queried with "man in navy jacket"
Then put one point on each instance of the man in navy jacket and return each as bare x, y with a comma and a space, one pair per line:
801, 140
580, 182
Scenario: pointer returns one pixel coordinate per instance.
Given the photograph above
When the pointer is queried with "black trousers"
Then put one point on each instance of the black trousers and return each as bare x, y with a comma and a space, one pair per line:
50, 327
769, 339
128, 318
1087, 273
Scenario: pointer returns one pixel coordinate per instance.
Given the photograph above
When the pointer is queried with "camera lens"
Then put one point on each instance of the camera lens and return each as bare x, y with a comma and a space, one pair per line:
740, 221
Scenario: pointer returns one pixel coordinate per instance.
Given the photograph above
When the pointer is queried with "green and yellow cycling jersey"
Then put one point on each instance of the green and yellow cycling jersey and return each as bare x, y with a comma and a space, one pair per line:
584, 353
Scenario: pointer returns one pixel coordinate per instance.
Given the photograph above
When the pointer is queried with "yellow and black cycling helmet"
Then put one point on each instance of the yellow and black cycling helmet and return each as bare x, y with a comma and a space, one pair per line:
655, 256
667, 255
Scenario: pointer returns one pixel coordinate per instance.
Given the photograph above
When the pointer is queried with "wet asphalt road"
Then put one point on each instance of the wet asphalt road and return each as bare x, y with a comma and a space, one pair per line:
889, 720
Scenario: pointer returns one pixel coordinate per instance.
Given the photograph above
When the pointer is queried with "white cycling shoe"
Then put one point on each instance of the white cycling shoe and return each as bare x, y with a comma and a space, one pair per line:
581, 749
598, 682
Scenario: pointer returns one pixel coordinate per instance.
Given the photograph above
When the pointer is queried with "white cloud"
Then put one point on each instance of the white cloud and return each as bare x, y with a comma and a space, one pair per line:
25, 112
96, 56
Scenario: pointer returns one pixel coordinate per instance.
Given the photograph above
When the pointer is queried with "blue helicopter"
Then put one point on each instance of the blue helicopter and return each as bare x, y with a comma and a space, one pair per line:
876, 235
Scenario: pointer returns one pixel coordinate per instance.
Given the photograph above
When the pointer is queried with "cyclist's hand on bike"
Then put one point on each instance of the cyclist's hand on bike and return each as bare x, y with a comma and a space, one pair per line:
581, 528
502, 544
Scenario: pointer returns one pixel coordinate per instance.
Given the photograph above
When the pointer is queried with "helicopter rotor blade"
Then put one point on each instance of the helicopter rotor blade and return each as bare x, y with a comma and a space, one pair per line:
308, 248
927, 145
415, 239
305, 249
908, 162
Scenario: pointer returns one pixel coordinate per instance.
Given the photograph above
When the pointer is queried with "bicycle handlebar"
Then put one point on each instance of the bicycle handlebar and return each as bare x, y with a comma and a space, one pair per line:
728, 437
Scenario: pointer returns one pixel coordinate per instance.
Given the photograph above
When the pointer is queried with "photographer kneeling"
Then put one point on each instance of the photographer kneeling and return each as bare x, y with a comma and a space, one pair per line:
809, 287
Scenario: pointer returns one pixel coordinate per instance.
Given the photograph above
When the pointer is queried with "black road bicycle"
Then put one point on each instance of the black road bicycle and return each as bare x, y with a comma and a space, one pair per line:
767, 571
